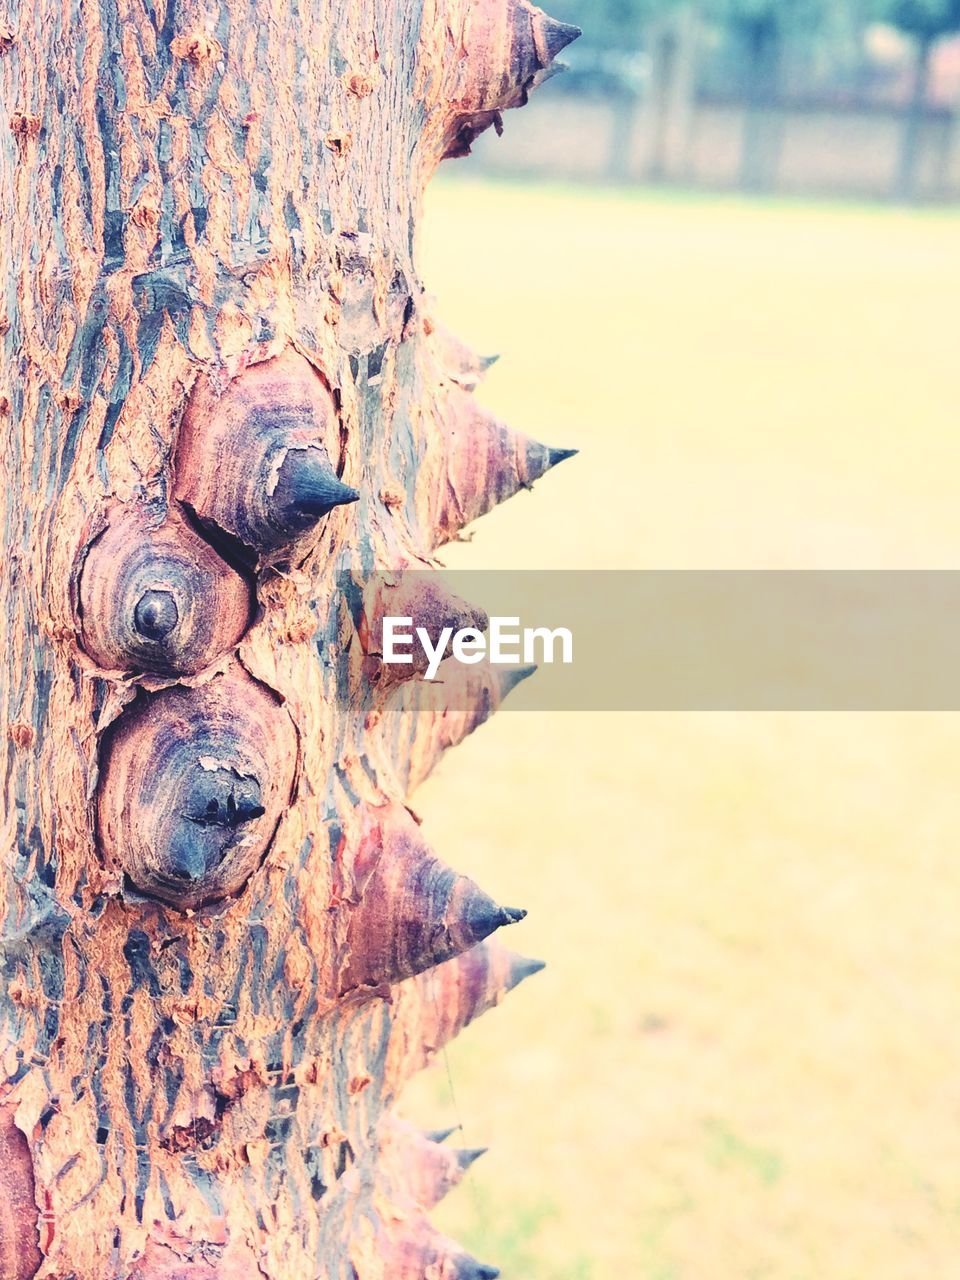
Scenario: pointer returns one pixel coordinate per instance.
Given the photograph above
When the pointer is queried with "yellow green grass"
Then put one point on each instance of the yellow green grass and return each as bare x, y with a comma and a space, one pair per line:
743, 1062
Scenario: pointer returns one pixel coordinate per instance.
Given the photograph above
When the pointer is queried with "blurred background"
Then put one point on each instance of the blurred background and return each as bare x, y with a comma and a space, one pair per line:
742, 1060
844, 97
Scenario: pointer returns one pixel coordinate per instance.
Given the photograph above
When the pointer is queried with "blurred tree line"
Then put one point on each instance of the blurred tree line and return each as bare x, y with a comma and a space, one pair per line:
756, 35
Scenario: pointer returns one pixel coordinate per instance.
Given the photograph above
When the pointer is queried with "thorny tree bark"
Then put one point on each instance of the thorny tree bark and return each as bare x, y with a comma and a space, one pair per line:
224, 943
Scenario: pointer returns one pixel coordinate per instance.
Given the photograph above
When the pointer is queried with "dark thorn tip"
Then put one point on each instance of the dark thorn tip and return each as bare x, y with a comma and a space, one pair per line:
441, 1135
512, 915
470, 1269
560, 455
308, 489
510, 677
467, 1156
485, 916
523, 968
558, 35
155, 615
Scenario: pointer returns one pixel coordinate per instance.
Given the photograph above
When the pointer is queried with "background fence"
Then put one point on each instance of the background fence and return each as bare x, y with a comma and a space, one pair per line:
837, 103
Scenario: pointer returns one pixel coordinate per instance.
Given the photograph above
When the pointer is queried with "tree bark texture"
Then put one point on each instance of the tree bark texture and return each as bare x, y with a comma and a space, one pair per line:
224, 402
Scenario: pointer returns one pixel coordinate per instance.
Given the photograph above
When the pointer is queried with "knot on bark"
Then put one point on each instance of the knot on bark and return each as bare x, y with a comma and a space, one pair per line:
193, 785
253, 465
157, 597
196, 47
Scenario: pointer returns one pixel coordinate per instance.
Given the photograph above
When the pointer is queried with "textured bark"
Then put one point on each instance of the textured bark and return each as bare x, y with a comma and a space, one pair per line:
224, 404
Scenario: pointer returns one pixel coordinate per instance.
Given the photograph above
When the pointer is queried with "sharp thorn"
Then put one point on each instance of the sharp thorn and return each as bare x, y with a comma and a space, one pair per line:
561, 455
486, 917
467, 1156
510, 677
441, 1135
308, 489
512, 915
470, 1269
523, 968
557, 35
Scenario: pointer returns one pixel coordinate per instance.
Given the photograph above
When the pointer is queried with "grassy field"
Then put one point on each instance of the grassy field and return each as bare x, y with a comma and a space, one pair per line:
743, 1061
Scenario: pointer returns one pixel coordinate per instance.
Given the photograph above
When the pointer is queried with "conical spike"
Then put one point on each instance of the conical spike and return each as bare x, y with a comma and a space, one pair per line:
510, 677
433, 609
561, 455
467, 1156
418, 1167
420, 724
441, 1135
251, 460
557, 35
522, 969
412, 1249
193, 782
485, 463
432, 1009
307, 489
470, 1269
414, 912
456, 360
509, 45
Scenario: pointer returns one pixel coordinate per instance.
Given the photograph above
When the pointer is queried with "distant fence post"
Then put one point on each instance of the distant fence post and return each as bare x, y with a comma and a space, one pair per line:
914, 121
763, 124
673, 41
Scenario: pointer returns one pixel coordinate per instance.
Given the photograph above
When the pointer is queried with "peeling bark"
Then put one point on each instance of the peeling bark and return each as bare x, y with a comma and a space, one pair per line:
221, 397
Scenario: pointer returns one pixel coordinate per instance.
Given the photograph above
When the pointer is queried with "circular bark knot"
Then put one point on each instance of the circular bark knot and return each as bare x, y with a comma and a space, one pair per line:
193, 785
253, 463
158, 598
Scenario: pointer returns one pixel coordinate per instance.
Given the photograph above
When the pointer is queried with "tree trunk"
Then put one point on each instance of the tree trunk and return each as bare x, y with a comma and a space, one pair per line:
911, 141
224, 404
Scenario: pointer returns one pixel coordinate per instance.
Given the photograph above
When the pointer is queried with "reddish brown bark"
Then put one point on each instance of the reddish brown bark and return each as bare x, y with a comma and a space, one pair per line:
154, 597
